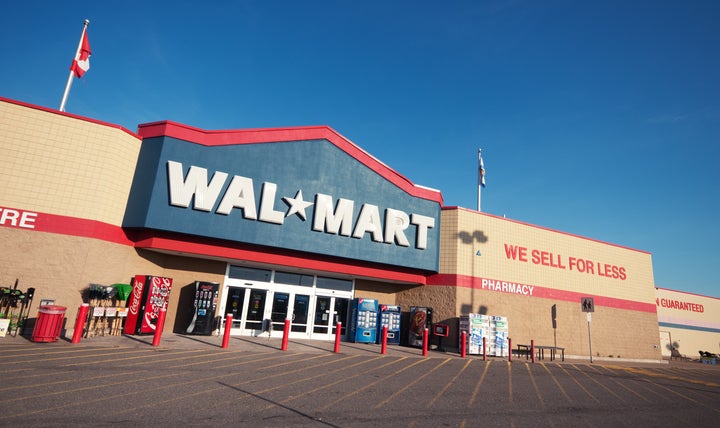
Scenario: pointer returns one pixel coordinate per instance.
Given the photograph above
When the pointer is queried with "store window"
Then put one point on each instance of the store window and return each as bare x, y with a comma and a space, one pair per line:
293, 279
334, 283
250, 274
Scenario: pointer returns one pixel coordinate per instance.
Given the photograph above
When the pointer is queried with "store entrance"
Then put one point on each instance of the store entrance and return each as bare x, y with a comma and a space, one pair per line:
313, 305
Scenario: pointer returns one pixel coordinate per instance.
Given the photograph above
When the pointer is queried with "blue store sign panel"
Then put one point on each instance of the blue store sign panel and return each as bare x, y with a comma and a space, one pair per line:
305, 195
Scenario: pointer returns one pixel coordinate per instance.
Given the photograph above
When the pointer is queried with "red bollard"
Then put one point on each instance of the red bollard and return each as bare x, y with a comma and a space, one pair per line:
463, 344
159, 327
383, 341
484, 348
509, 349
532, 351
338, 330
226, 333
80, 322
286, 332
425, 342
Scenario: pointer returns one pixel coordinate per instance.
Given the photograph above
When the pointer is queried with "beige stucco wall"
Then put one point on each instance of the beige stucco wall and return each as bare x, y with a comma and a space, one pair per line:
689, 322
63, 165
476, 246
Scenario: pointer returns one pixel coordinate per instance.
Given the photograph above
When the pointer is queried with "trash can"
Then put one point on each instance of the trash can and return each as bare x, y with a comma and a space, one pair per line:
49, 323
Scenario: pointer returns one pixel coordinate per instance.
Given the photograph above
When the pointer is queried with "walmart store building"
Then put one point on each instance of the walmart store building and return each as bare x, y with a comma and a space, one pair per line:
301, 215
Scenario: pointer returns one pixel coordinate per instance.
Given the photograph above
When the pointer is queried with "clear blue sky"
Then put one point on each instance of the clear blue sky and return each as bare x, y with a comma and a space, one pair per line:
596, 118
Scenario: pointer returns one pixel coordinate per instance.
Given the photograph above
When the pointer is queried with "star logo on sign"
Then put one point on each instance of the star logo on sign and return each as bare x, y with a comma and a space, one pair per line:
297, 205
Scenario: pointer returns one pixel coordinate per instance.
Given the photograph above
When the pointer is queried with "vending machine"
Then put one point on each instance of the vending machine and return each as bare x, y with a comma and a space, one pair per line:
204, 306
420, 319
149, 294
363, 320
389, 316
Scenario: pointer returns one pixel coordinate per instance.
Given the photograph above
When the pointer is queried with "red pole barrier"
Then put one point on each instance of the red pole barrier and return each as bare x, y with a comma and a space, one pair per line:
226, 332
463, 344
509, 349
484, 348
159, 327
286, 332
532, 351
80, 322
338, 330
425, 342
383, 341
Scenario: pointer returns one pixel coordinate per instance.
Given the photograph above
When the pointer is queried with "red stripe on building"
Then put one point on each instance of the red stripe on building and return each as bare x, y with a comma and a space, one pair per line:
531, 290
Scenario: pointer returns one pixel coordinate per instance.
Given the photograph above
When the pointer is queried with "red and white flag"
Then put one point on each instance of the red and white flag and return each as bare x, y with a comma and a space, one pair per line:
81, 63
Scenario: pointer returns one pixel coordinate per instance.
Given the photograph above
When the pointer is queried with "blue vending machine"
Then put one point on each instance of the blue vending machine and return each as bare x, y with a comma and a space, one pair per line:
389, 316
363, 320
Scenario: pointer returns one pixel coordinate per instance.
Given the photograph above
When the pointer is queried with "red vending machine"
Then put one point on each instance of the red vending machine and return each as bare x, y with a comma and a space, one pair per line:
149, 294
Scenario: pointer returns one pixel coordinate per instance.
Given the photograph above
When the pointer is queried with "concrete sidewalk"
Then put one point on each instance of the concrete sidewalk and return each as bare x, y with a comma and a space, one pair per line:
236, 343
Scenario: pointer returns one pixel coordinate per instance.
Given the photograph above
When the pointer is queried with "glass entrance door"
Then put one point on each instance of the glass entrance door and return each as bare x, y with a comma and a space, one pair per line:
300, 313
279, 310
328, 311
255, 310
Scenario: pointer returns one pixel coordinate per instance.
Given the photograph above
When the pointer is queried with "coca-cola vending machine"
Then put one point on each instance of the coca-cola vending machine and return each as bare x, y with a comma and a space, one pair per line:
149, 295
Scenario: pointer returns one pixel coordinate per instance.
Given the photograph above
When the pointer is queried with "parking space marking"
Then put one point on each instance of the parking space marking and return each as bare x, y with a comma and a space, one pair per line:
448, 384
106, 386
627, 388
236, 386
477, 386
75, 355
145, 355
597, 382
359, 390
554, 378
537, 390
341, 380
578, 383
649, 373
407, 386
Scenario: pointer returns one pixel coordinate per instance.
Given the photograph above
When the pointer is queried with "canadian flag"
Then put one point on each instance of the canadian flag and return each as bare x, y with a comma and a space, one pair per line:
81, 63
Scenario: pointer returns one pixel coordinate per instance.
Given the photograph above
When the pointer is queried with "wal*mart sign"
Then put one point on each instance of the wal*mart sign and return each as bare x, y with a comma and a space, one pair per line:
309, 196
328, 217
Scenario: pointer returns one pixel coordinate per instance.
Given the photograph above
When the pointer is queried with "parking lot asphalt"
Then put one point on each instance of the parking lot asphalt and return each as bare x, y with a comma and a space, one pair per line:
193, 381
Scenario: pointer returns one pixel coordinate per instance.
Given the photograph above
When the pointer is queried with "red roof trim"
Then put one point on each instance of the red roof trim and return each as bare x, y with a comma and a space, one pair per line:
271, 135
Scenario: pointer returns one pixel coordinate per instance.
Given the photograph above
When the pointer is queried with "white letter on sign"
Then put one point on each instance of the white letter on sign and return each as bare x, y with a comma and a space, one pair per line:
196, 184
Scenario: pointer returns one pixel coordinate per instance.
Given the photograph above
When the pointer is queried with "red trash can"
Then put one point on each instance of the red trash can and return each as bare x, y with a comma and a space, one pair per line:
48, 324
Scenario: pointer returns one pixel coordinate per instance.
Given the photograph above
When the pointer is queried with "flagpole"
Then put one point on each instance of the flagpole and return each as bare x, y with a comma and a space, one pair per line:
70, 77
480, 178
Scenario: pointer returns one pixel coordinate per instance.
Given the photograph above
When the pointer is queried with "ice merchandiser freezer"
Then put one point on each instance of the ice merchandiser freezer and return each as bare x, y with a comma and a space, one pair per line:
204, 306
363, 320
493, 328
149, 294
420, 319
500, 342
476, 327
389, 316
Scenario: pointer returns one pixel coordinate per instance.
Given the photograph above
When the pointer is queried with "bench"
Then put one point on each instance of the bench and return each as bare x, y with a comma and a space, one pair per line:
540, 351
